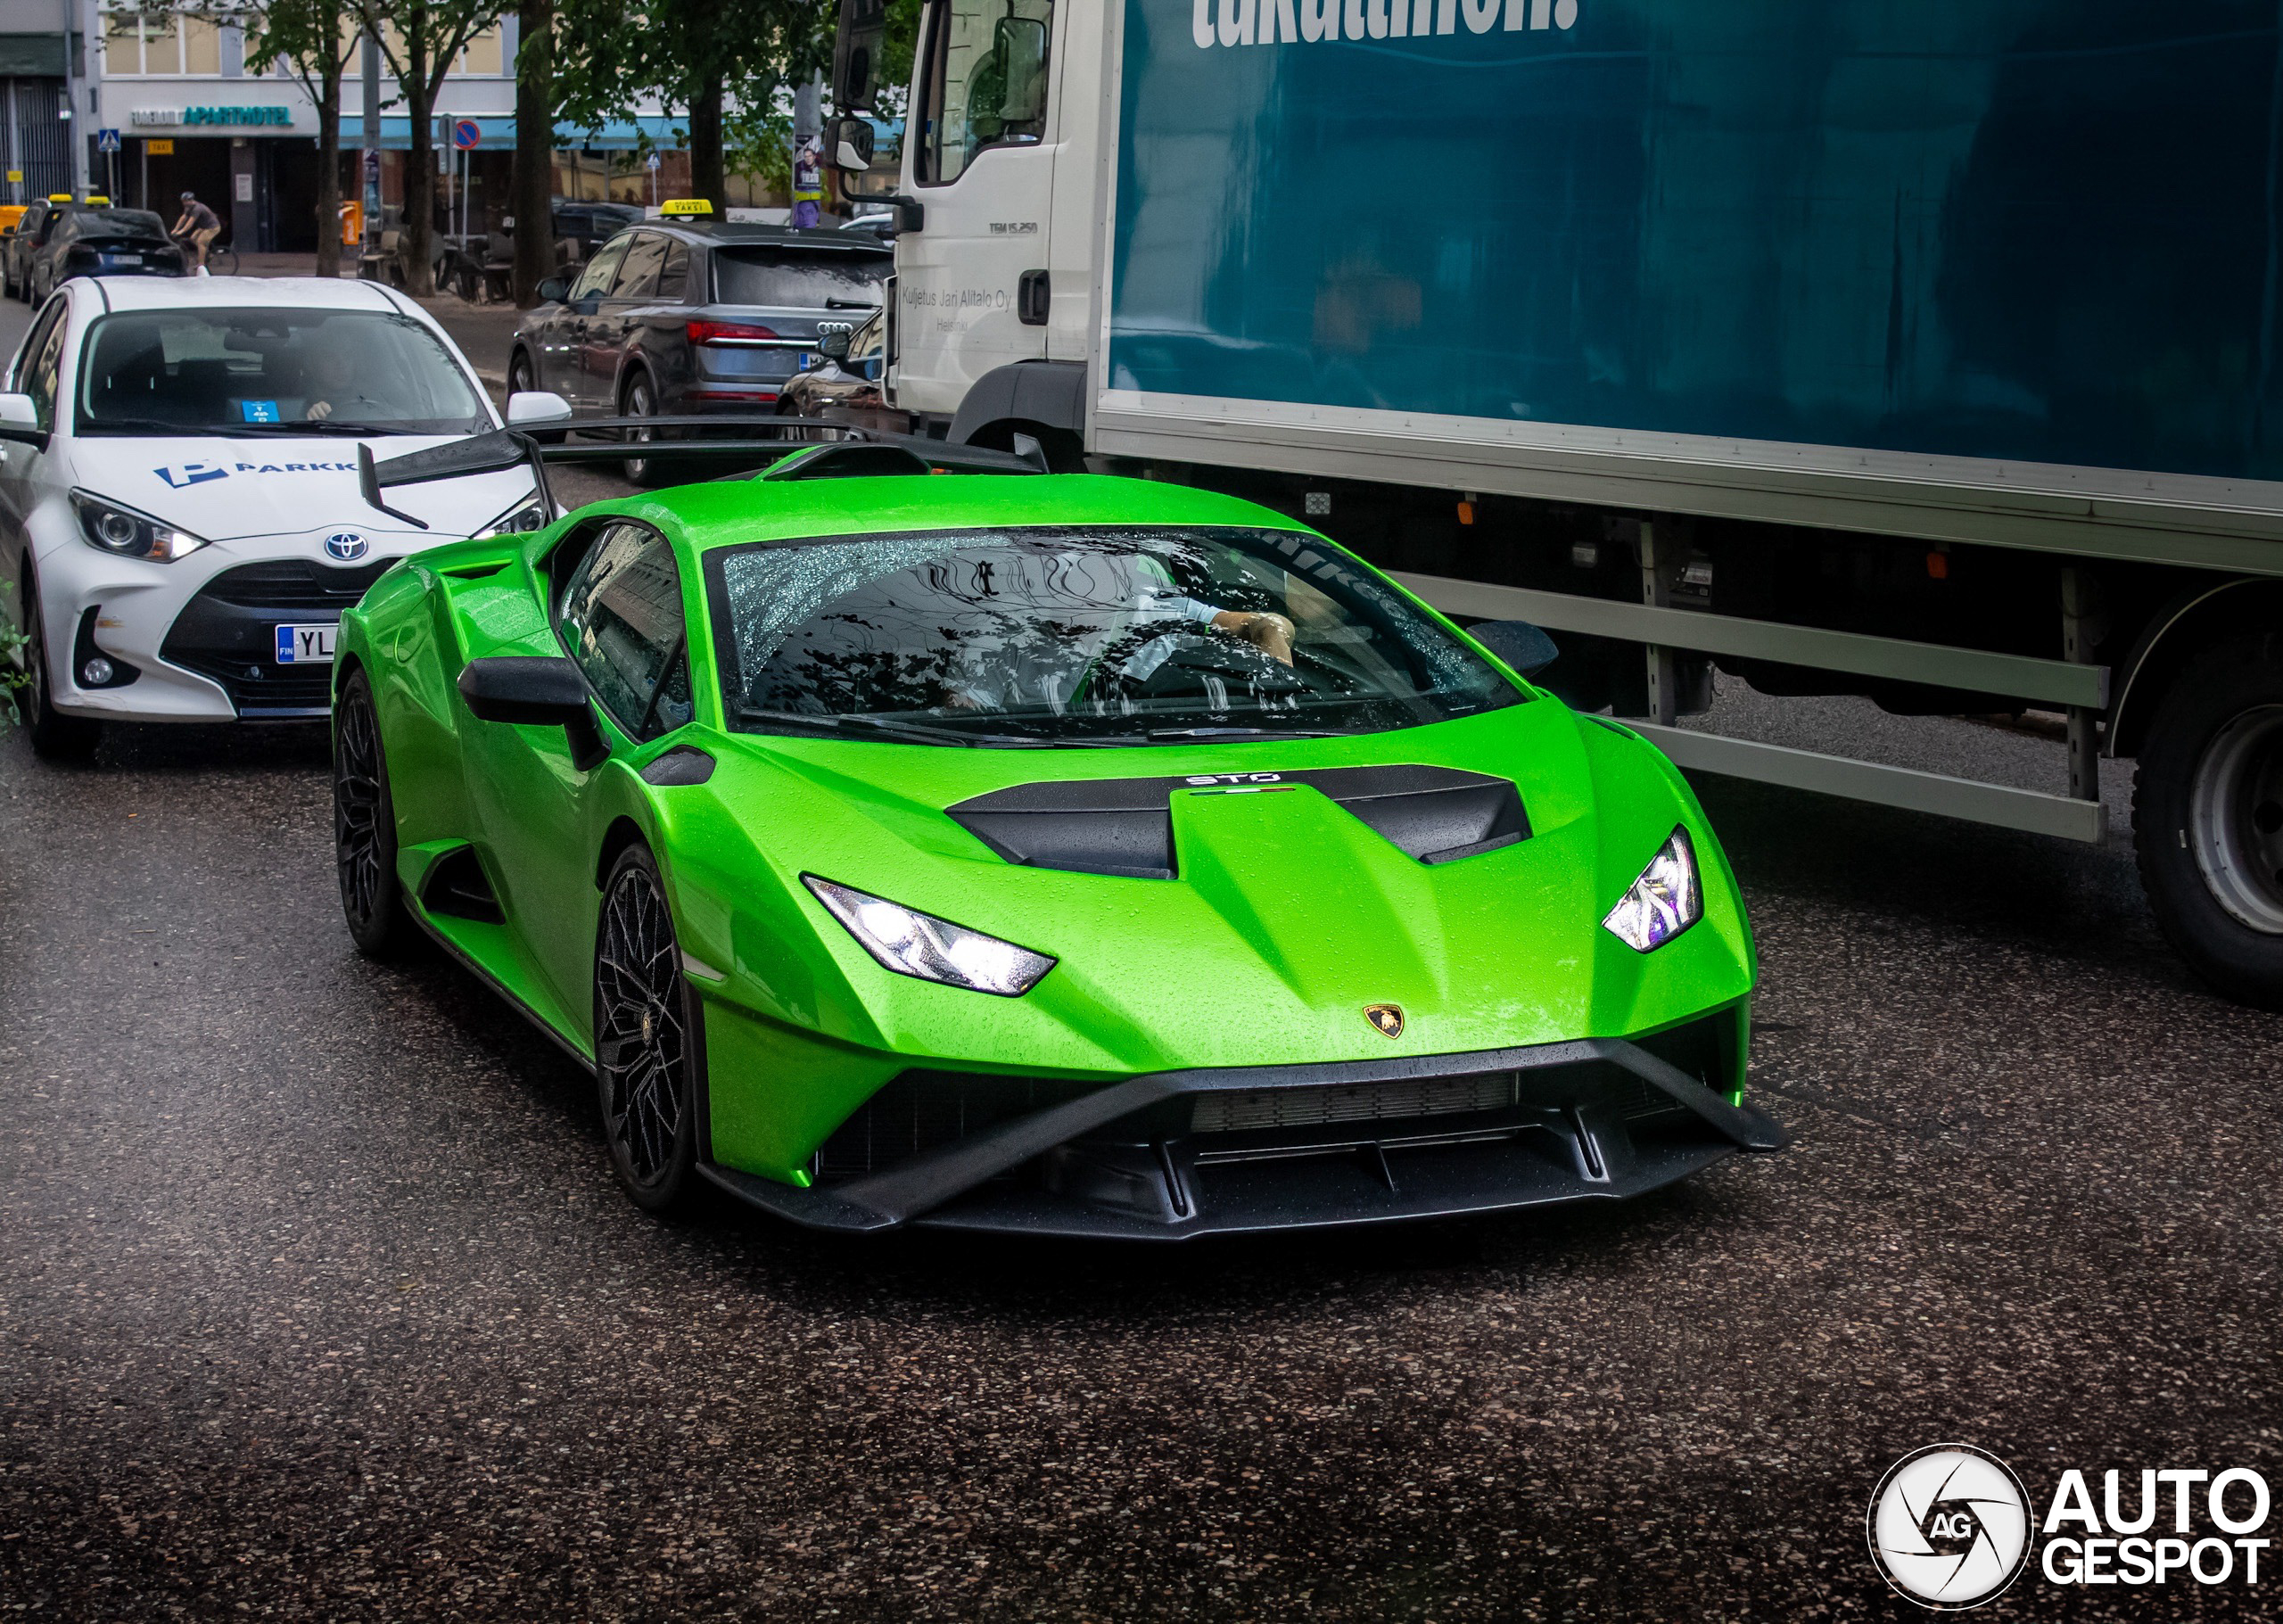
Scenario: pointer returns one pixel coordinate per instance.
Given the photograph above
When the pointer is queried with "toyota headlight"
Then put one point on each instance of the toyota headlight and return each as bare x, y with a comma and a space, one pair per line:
112, 529
524, 518
914, 943
1665, 900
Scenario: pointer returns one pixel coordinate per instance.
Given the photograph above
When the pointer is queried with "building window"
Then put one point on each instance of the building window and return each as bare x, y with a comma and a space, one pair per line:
140, 44
481, 56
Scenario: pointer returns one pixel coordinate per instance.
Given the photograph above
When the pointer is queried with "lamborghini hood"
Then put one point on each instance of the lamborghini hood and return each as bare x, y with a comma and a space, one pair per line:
1228, 905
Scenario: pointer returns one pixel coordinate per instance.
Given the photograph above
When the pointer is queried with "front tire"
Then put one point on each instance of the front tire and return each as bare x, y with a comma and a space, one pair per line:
648, 1048
2208, 818
364, 829
55, 736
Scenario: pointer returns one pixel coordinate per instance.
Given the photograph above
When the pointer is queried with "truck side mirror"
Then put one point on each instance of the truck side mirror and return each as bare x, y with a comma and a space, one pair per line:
856, 54
852, 145
1520, 644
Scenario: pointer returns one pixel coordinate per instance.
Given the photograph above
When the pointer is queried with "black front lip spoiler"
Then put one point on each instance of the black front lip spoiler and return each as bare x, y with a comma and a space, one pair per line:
1602, 1160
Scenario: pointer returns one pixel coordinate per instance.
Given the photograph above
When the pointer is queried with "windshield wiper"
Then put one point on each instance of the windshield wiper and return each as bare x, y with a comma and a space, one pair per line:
1207, 734
333, 425
171, 431
917, 732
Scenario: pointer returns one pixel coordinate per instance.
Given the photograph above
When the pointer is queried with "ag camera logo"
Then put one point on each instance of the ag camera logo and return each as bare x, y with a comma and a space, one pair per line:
1949, 1527
346, 545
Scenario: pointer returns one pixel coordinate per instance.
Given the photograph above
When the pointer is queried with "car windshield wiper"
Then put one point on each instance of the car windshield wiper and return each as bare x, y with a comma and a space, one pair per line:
848, 304
334, 425
1207, 734
917, 732
172, 431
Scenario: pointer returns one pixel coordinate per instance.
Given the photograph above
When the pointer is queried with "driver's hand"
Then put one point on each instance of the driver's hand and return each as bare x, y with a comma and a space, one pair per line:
319, 410
1272, 634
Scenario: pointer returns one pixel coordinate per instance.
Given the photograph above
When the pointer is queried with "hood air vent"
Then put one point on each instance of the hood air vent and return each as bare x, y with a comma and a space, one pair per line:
1123, 827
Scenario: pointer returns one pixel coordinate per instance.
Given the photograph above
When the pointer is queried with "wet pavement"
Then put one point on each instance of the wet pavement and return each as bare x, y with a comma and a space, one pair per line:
318, 1301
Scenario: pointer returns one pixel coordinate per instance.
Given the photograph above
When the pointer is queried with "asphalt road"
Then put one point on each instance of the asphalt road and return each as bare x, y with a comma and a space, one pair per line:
316, 1300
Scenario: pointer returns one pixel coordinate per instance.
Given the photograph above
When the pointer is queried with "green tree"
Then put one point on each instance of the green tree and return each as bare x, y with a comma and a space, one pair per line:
421, 42
708, 60
316, 41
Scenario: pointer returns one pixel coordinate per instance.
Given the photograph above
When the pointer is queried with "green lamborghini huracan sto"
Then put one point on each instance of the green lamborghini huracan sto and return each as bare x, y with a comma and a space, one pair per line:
1040, 853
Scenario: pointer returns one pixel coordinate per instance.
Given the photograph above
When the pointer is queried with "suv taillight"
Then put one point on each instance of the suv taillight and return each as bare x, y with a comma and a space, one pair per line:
726, 332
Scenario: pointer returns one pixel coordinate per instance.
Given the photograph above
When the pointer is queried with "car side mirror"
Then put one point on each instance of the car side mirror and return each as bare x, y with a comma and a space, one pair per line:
20, 422
537, 406
1520, 644
535, 691
551, 289
832, 340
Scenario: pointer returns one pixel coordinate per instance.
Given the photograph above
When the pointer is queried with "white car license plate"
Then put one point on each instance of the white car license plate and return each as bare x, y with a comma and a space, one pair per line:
307, 644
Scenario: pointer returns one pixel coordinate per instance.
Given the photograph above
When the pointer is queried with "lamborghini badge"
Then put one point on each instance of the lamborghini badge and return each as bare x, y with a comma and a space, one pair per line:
1388, 1017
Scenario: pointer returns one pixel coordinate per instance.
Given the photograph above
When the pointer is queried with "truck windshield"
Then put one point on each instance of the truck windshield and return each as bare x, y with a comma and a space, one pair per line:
790, 276
219, 370
1079, 636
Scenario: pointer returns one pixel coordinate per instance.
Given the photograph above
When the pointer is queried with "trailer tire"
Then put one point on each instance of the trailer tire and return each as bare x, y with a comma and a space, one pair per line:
2208, 808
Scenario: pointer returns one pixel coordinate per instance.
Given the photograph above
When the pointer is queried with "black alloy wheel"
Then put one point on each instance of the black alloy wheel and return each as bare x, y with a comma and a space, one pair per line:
647, 1045
364, 828
55, 736
2208, 814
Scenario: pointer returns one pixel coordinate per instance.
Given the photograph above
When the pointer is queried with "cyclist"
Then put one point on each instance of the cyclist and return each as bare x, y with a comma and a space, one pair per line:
200, 224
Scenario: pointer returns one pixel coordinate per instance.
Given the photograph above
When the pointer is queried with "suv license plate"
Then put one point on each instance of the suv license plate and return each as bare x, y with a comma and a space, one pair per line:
308, 645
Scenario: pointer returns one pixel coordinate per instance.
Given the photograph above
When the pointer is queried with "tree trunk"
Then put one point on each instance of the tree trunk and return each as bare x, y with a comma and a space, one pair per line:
708, 176
329, 175
419, 180
530, 190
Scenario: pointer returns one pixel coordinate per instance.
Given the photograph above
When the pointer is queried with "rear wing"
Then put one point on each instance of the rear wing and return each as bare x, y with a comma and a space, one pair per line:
779, 448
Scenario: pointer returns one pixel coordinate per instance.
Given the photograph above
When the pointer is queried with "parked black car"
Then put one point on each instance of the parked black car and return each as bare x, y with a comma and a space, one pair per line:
686, 319
27, 237
85, 240
587, 223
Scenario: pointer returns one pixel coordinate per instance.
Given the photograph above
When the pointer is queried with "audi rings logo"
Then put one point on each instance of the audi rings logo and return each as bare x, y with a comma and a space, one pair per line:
346, 545
1949, 1527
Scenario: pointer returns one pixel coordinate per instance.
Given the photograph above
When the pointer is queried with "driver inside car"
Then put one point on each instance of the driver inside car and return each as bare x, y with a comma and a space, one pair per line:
1120, 595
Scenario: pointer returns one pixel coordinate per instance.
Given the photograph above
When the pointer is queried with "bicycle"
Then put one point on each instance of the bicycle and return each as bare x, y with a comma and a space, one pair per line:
222, 258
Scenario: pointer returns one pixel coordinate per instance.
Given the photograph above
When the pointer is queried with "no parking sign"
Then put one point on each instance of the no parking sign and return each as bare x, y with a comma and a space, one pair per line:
467, 133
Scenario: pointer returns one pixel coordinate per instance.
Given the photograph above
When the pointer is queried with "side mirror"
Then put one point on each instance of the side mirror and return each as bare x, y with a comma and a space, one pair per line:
852, 145
551, 289
20, 422
537, 406
832, 340
1520, 644
856, 53
538, 690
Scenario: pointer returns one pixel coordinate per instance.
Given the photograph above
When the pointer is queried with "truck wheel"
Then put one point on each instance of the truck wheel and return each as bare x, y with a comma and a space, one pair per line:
2207, 807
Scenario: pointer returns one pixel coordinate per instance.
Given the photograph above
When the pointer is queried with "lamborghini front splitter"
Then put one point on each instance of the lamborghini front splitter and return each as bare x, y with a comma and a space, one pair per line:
1173, 1155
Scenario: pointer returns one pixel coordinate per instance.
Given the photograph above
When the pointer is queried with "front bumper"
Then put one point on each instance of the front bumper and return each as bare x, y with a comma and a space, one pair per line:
1174, 1155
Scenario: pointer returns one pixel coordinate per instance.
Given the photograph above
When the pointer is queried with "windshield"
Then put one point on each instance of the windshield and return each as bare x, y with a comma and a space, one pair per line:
1126, 636
223, 371
781, 276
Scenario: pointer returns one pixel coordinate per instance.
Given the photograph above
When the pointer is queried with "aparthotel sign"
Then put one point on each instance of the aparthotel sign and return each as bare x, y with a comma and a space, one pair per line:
175, 118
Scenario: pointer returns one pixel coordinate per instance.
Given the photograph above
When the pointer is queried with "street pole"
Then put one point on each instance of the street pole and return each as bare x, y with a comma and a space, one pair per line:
71, 108
369, 159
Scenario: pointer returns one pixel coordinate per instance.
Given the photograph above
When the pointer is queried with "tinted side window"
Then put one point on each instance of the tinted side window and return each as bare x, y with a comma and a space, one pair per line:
20, 377
673, 281
601, 269
621, 621
639, 273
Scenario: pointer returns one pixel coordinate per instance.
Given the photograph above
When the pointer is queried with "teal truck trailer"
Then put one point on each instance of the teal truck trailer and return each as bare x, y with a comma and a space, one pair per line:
1915, 348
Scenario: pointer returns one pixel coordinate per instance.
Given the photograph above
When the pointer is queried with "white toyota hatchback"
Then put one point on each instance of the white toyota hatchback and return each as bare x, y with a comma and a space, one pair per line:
180, 510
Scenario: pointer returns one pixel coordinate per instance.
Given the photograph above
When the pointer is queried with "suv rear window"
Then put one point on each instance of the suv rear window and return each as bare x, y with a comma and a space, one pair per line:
792, 277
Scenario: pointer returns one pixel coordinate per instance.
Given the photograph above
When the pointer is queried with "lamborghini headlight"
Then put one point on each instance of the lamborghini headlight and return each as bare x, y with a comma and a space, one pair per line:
914, 943
525, 517
1665, 900
111, 528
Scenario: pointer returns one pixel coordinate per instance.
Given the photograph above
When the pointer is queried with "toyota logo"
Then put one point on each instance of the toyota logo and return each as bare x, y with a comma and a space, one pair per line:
346, 545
